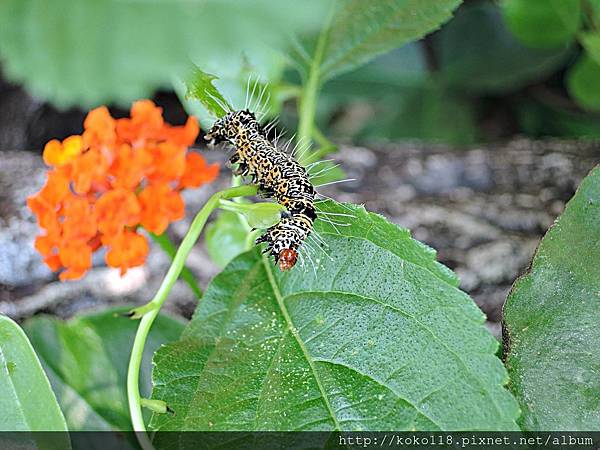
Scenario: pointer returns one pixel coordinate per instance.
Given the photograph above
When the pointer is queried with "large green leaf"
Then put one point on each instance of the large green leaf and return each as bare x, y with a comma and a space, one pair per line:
376, 335
543, 23
91, 51
361, 30
86, 360
28, 403
551, 319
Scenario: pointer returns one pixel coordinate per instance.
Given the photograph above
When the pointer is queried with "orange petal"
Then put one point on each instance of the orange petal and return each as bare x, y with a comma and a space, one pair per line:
129, 166
76, 256
52, 152
115, 210
46, 244
79, 221
146, 120
53, 192
57, 154
53, 262
160, 205
175, 206
99, 128
88, 168
72, 274
197, 172
128, 250
168, 163
185, 135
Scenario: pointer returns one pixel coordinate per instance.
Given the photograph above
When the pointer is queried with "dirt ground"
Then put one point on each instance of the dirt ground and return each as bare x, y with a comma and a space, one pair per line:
484, 211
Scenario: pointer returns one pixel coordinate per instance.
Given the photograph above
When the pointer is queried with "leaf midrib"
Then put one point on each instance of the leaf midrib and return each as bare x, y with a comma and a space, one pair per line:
421, 325
294, 333
16, 397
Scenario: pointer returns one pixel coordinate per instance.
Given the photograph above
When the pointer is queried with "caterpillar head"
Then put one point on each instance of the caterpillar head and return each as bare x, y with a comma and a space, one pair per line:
282, 246
287, 259
228, 127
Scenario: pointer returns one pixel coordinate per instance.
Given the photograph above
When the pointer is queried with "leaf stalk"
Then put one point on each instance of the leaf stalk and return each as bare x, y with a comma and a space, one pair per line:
150, 311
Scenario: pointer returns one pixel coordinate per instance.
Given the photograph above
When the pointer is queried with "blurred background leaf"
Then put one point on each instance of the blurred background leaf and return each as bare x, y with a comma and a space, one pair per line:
543, 23
86, 361
591, 43
473, 80
90, 52
225, 238
584, 83
477, 54
28, 403
494, 70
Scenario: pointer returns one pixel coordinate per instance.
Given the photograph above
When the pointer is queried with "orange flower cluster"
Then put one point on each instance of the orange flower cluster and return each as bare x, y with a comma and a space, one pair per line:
118, 175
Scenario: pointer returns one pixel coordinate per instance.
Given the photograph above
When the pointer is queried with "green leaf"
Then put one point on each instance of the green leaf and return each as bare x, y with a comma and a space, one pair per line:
546, 119
376, 337
89, 52
200, 87
402, 101
28, 403
551, 319
86, 359
477, 53
361, 30
583, 82
257, 215
225, 238
428, 112
543, 23
235, 74
591, 43
400, 68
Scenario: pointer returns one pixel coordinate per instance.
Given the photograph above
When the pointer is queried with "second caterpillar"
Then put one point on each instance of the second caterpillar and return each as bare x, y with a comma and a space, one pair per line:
277, 174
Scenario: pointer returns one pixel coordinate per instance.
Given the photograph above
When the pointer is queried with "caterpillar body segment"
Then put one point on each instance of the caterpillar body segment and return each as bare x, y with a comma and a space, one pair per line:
278, 175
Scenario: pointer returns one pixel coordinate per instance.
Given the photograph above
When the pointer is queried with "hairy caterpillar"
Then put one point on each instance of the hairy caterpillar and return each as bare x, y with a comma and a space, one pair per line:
277, 174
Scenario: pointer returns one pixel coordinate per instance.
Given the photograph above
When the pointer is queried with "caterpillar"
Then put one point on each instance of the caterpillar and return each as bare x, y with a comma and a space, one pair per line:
277, 174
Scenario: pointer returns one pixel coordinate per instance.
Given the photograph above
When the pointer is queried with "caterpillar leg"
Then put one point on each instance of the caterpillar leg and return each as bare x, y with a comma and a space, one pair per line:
265, 192
241, 170
239, 167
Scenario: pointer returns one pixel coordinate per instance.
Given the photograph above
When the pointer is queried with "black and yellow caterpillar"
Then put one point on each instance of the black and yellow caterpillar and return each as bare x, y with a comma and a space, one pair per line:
277, 174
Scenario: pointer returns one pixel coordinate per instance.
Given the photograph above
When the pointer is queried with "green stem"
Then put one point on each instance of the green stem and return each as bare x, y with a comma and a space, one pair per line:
308, 100
170, 249
236, 180
235, 207
322, 139
320, 154
153, 307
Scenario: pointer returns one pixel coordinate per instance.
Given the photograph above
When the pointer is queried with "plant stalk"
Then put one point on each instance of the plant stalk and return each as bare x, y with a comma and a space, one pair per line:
152, 308
170, 249
308, 99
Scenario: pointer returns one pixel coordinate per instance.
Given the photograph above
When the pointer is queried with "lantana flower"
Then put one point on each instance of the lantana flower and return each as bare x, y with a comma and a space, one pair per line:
103, 185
